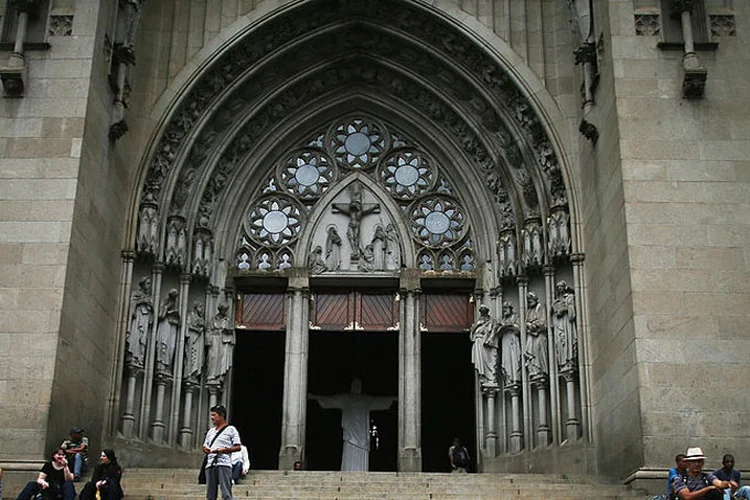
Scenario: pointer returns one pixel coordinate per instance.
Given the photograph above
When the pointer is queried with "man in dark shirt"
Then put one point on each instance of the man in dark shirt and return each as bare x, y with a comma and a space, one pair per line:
728, 473
696, 484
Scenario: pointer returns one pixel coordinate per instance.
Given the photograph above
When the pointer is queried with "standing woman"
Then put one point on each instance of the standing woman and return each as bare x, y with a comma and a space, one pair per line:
55, 481
106, 479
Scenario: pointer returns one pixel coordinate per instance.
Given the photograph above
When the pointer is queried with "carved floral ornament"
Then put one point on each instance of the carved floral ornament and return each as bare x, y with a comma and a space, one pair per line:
474, 124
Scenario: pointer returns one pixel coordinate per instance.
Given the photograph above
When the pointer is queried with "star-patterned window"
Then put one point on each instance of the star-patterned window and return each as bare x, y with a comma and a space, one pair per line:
274, 220
407, 174
437, 221
358, 143
307, 174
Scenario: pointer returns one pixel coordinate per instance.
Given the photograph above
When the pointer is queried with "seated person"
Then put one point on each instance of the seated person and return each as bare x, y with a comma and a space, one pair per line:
680, 468
240, 464
55, 481
727, 472
696, 483
106, 479
77, 448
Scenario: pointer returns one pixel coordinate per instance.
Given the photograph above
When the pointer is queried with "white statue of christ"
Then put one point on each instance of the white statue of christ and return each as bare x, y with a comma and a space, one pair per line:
355, 418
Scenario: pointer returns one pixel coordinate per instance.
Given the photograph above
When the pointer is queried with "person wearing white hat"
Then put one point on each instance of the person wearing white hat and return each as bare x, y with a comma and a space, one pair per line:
696, 483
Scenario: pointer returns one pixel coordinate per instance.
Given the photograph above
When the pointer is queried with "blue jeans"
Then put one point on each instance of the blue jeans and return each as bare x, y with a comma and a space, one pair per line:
79, 465
236, 471
743, 492
67, 491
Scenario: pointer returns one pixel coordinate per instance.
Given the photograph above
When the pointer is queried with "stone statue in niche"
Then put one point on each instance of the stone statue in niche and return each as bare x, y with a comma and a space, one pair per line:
355, 209
510, 346
315, 261
140, 323
506, 249
581, 12
484, 337
176, 241
378, 244
392, 248
564, 326
333, 249
195, 344
220, 343
533, 254
536, 337
559, 236
148, 225
166, 332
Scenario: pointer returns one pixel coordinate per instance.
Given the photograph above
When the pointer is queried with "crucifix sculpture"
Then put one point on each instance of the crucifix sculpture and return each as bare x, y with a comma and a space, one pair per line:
355, 209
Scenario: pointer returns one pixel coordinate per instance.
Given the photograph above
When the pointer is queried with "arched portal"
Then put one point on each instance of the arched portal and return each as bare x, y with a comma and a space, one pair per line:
346, 168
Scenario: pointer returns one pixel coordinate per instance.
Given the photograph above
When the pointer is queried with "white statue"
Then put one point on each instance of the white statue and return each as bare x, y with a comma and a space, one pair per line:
220, 342
378, 248
315, 261
140, 322
194, 342
355, 419
392, 249
484, 335
564, 326
510, 346
536, 337
166, 332
333, 249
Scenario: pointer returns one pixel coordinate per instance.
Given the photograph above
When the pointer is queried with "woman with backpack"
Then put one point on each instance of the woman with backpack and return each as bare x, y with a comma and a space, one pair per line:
459, 457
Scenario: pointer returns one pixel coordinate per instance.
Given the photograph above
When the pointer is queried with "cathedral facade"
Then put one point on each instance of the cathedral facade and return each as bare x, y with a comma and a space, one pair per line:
524, 220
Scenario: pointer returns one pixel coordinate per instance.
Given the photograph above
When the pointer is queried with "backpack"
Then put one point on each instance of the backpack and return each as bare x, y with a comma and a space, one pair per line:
711, 495
460, 456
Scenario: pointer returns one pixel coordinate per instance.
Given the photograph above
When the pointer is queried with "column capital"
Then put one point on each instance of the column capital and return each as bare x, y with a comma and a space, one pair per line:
128, 255
495, 291
185, 278
577, 258
158, 267
549, 270
680, 6
522, 280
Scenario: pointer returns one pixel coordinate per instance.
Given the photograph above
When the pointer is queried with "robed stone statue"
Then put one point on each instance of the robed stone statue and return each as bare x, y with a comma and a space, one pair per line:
140, 323
220, 342
564, 326
536, 337
510, 346
194, 342
167, 331
484, 335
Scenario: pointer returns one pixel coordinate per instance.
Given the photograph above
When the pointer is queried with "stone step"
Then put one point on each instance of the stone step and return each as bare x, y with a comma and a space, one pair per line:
182, 483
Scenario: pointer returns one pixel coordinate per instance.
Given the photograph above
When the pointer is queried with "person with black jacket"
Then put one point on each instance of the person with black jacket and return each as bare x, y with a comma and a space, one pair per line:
106, 479
55, 481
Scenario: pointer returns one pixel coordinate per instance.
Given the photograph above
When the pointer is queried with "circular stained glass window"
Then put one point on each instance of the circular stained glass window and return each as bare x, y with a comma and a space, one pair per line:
307, 173
274, 220
437, 221
357, 143
407, 174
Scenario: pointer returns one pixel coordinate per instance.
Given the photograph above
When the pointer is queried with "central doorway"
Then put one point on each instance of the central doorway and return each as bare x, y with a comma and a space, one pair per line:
335, 359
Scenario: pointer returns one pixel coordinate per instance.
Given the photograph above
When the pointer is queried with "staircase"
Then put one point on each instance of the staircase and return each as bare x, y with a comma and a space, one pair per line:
157, 484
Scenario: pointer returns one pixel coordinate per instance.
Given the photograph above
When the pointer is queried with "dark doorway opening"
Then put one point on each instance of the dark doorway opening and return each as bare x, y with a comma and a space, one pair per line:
335, 359
447, 398
257, 391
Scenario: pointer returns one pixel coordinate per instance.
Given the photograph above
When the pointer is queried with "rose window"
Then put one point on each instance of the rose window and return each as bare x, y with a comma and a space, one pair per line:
437, 221
357, 144
306, 174
407, 174
274, 220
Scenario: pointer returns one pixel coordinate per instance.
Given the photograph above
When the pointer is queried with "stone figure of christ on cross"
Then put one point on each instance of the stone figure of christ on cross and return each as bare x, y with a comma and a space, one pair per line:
355, 418
355, 209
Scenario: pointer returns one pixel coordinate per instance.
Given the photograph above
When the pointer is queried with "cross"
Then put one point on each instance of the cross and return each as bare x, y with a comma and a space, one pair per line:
355, 209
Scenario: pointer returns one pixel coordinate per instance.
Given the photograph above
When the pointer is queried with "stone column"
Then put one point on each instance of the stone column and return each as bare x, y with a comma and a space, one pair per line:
179, 357
186, 431
157, 427
123, 315
128, 417
15, 73
523, 288
410, 383
549, 288
490, 439
543, 432
496, 295
213, 396
577, 260
148, 378
572, 424
295, 374
694, 82
516, 434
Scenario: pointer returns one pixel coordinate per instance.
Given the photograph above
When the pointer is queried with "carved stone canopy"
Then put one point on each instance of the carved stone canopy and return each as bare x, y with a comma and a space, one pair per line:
454, 86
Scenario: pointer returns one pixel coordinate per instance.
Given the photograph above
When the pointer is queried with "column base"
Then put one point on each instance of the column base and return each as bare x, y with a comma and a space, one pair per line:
410, 460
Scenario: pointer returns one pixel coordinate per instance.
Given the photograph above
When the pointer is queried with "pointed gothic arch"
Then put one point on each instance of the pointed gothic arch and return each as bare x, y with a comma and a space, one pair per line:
299, 69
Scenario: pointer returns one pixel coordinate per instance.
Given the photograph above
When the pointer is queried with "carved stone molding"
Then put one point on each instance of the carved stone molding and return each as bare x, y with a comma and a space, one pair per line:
723, 25
14, 80
589, 131
694, 83
60, 25
647, 25
677, 7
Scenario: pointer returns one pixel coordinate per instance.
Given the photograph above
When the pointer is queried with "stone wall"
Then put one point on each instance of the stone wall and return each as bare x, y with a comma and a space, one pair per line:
686, 180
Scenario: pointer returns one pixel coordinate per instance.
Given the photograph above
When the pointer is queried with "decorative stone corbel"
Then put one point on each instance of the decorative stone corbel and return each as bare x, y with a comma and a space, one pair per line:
14, 74
589, 131
694, 80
